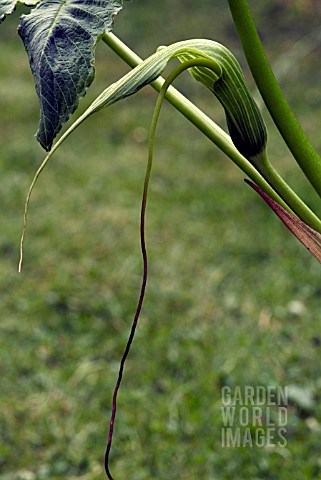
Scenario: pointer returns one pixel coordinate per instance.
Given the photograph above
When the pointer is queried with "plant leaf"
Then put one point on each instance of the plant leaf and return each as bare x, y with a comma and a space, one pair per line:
8, 6
309, 237
60, 38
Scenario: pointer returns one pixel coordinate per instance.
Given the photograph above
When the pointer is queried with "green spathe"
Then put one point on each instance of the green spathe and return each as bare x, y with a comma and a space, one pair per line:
225, 79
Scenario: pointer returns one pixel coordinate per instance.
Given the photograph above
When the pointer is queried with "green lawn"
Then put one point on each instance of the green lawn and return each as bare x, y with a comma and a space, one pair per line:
232, 298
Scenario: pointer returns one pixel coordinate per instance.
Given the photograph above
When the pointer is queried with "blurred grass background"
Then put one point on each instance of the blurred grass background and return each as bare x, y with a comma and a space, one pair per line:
232, 298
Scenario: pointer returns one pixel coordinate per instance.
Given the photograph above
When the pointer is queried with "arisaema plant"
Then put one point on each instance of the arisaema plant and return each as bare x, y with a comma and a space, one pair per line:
60, 37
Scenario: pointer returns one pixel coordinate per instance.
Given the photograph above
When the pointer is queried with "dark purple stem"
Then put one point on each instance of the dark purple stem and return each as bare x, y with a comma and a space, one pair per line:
132, 332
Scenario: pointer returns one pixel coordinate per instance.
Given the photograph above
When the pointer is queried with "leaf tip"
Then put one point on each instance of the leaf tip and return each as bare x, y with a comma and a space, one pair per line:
309, 237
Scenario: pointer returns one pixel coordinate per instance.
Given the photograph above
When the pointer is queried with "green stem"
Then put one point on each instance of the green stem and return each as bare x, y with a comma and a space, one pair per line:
285, 120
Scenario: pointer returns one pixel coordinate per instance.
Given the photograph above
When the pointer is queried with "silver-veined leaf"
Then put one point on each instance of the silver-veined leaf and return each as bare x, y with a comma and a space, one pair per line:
60, 37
